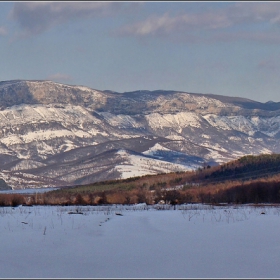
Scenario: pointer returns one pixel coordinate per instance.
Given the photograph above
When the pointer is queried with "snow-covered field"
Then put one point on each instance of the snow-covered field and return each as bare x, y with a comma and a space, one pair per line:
140, 241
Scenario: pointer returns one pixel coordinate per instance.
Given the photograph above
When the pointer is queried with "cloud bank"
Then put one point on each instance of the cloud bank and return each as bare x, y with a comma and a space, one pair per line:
37, 17
224, 24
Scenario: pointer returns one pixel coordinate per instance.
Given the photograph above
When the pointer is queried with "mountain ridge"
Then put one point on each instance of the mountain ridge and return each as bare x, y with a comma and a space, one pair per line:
48, 129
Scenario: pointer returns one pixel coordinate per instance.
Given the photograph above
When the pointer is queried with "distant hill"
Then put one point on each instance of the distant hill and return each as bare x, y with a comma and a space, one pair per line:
249, 179
4, 186
247, 168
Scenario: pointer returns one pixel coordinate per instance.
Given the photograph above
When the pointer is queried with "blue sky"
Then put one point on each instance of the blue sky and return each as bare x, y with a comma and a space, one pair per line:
225, 48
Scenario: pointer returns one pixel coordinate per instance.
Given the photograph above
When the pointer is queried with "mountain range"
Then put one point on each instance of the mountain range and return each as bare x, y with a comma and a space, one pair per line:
54, 134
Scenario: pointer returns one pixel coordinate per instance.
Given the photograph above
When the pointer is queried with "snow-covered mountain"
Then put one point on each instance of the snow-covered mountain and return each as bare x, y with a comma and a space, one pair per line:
53, 134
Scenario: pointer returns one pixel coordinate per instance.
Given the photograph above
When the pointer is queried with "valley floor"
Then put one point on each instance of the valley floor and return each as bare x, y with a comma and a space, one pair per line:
140, 241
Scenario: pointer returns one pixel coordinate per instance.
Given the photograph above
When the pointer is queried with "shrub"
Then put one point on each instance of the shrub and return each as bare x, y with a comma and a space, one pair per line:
16, 200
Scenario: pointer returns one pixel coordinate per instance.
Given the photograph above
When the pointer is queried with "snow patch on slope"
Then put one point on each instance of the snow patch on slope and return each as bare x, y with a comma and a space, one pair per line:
121, 121
153, 150
27, 164
175, 121
249, 125
22, 180
135, 165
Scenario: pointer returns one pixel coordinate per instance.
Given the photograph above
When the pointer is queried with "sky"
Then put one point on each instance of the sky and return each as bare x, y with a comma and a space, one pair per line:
223, 47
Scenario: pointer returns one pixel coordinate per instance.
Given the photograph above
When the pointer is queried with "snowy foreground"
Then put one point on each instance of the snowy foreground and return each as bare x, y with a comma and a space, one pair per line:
193, 241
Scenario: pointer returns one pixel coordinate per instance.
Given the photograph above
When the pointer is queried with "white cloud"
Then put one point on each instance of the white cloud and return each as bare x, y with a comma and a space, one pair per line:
215, 22
3, 31
59, 77
255, 12
166, 24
